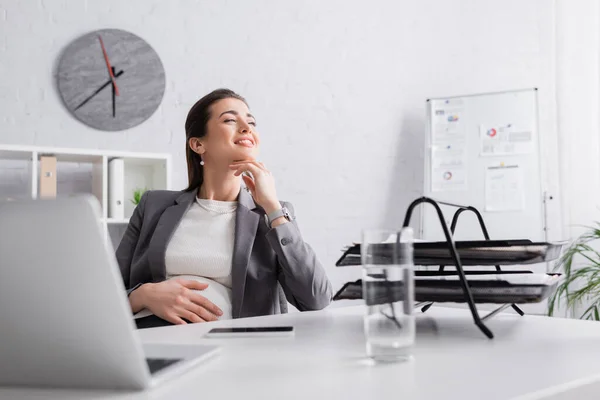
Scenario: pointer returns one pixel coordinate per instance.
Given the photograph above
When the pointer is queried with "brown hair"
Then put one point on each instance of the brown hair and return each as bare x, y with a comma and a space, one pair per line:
195, 127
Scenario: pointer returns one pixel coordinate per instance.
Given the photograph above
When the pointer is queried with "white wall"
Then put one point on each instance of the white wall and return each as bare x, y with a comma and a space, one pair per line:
338, 87
578, 99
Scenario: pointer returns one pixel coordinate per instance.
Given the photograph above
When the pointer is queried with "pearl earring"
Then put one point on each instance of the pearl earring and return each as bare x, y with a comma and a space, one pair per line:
201, 162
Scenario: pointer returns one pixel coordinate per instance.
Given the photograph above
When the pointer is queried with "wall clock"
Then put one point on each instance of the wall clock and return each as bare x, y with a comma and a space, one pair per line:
111, 79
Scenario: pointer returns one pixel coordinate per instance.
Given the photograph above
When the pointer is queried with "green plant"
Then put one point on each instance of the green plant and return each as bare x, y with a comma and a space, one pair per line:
137, 195
581, 283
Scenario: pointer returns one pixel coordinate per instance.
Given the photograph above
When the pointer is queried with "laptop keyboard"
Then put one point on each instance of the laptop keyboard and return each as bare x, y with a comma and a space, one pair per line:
157, 364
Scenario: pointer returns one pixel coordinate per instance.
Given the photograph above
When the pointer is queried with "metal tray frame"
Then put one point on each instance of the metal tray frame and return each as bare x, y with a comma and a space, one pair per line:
484, 291
471, 253
456, 260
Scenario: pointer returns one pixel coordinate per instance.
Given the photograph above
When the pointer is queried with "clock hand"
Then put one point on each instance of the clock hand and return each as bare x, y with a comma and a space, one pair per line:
98, 91
114, 89
110, 71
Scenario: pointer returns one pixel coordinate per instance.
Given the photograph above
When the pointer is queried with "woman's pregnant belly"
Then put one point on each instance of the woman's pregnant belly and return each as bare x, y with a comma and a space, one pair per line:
216, 293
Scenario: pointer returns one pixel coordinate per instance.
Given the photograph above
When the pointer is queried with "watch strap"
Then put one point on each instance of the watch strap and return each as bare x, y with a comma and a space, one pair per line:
133, 288
282, 212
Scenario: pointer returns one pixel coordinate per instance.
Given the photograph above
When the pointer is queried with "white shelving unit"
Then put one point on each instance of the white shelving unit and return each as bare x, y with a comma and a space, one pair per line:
83, 171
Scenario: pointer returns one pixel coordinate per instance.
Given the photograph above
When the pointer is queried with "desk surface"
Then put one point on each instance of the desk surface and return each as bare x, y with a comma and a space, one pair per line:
530, 357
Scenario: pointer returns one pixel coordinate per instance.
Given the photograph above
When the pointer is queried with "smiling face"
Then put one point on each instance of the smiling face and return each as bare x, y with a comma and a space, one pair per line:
230, 134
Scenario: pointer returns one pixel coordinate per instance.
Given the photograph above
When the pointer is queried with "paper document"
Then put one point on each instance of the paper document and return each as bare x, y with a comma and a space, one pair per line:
448, 167
448, 122
505, 140
448, 146
504, 188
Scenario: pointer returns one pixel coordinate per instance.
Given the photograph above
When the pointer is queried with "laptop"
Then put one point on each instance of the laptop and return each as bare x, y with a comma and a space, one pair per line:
65, 320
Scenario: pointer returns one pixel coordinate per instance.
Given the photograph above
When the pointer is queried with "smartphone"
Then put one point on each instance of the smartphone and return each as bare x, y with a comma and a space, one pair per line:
269, 331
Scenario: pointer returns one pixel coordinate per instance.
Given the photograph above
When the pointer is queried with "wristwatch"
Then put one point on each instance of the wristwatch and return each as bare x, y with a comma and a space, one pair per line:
282, 212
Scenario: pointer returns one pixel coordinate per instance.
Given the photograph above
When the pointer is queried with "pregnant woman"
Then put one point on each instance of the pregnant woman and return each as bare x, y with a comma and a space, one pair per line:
225, 247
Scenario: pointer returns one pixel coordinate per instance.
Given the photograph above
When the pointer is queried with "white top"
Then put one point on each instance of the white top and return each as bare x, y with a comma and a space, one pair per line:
201, 249
530, 358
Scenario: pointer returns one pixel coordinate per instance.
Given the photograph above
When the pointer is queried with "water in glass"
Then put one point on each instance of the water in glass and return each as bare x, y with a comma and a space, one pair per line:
388, 290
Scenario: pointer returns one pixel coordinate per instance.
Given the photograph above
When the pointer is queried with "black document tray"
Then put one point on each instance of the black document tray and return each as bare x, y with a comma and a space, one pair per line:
475, 252
499, 291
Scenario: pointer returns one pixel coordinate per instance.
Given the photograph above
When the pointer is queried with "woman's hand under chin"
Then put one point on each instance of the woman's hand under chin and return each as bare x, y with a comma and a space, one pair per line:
261, 184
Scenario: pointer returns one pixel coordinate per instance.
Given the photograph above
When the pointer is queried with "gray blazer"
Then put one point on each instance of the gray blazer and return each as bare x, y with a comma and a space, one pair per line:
262, 257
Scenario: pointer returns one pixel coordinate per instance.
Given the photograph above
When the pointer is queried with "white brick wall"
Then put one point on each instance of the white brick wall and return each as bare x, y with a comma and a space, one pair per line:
338, 86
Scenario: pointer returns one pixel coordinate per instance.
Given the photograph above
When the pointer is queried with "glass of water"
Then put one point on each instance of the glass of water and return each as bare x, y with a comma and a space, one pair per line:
388, 290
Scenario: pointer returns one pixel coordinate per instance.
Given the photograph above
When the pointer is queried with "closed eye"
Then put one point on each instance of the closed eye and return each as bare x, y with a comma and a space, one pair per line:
253, 123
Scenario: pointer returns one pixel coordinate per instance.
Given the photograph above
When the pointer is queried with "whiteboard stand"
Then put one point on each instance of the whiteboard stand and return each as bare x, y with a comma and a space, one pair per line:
468, 159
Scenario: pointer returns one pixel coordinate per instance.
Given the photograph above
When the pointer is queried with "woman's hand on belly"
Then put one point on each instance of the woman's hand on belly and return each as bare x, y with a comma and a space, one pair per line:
176, 299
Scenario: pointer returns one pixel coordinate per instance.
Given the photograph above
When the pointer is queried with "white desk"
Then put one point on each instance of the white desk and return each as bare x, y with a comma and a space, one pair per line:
529, 358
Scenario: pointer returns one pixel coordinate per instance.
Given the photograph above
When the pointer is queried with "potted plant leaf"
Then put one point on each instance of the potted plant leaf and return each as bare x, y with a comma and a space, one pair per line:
580, 287
137, 195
